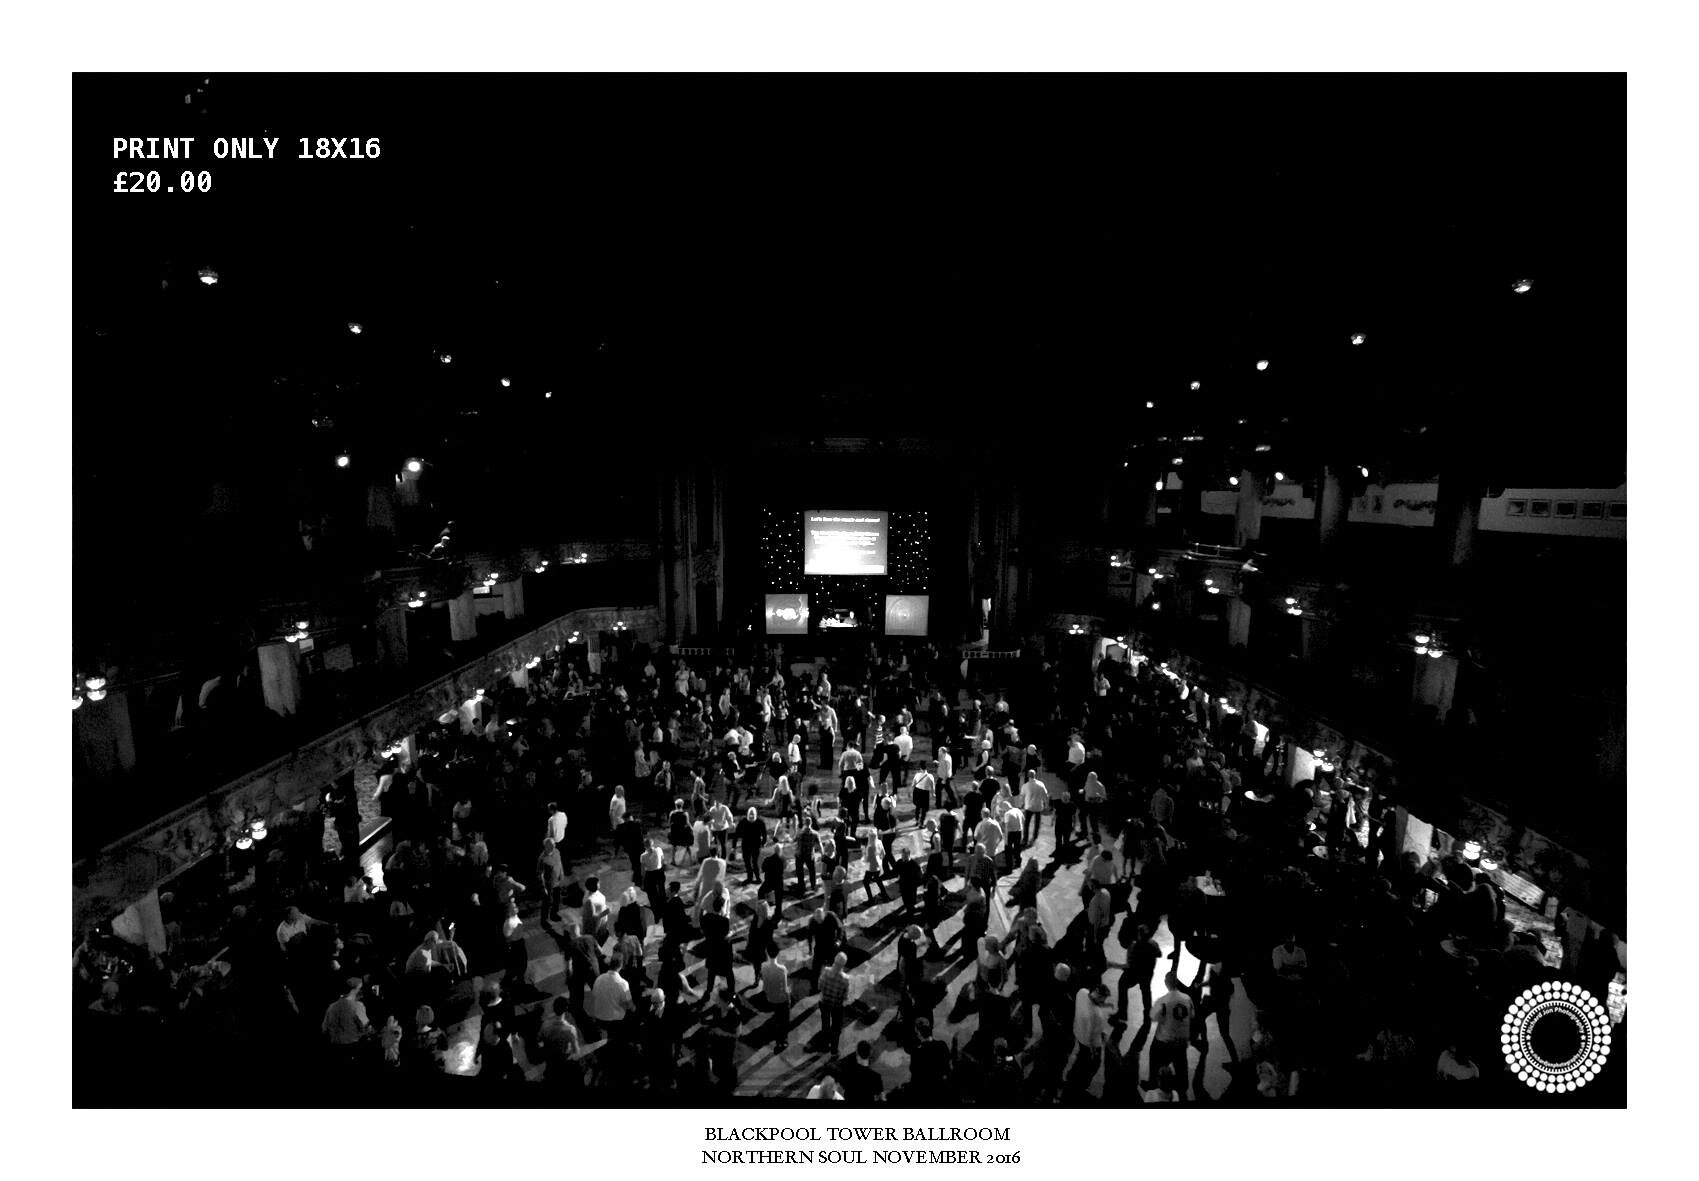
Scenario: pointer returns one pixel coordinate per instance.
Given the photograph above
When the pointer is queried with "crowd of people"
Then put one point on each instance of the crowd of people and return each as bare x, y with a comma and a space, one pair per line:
659, 825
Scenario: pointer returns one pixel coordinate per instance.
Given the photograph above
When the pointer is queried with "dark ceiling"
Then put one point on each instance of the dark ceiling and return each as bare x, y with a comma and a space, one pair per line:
689, 262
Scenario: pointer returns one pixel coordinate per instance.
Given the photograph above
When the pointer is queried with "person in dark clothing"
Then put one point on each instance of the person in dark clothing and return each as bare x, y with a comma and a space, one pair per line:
932, 912
773, 876
751, 834
973, 810
717, 946
807, 844
825, 932
675, 918
1142, 957
908, 880
629, 837
862, 1083
947, 841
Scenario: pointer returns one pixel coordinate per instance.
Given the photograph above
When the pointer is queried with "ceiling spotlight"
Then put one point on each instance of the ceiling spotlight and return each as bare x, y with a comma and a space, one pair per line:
1421, 649
445, 358
1422, 638
1156, 606
1197, 385
1152, 570
1358, 338
1291, 602
1278, 476
505, 383
1159, 485
1294, 610
1150, 405
1435, 653
1209, 582
415, 466
209, 276
1261, 365
1522, 286
548, 393
1214, 590
355, 328
537, 570
95, 683
1264, 447
97, 694
1233, 481
301, 624
1364, 470
341, 461
1179, 459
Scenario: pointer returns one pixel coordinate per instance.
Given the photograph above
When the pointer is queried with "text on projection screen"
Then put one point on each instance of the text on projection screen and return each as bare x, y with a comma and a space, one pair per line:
842, 542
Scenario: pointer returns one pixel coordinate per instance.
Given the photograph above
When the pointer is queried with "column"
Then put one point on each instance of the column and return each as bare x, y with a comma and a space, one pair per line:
392, 637
1435, 683
513, 597
1247, 517
1456, 519
1144, 585
104, 733
593, 648
1330, 512
719, 511
1238, 623
463, 617
280, 678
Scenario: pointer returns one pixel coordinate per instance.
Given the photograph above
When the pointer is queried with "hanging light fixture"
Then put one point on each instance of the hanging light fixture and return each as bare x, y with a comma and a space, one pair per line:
244, 842
1291, 602
94, 683
1422, 637
1156, 606
342, 461
445, 358
1364, 470
209, 276
76, 700
257, 829
1261, 365
355, 328
1522, 286
505, 383
415, 466
1358, 338
1159, 485
1150, 405
1279, 476
1197, 385
1421, 649
1233, 481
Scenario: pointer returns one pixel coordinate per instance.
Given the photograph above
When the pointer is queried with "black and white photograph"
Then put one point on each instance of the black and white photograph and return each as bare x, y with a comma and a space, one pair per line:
752, 592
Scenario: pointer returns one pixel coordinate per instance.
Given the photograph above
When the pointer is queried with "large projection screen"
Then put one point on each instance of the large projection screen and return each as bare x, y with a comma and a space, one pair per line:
905, 615
787, 615
836, 541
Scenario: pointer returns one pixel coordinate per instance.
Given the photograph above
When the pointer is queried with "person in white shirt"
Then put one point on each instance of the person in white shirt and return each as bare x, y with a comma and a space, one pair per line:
1012, 843
1289, 959
1076, 760
1091, 1034
720, 825
1173, 1015
610, 998
616, 809
293, 926
905, 748
945, 771
921, 791
556, 825
595, 911
1035, 799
